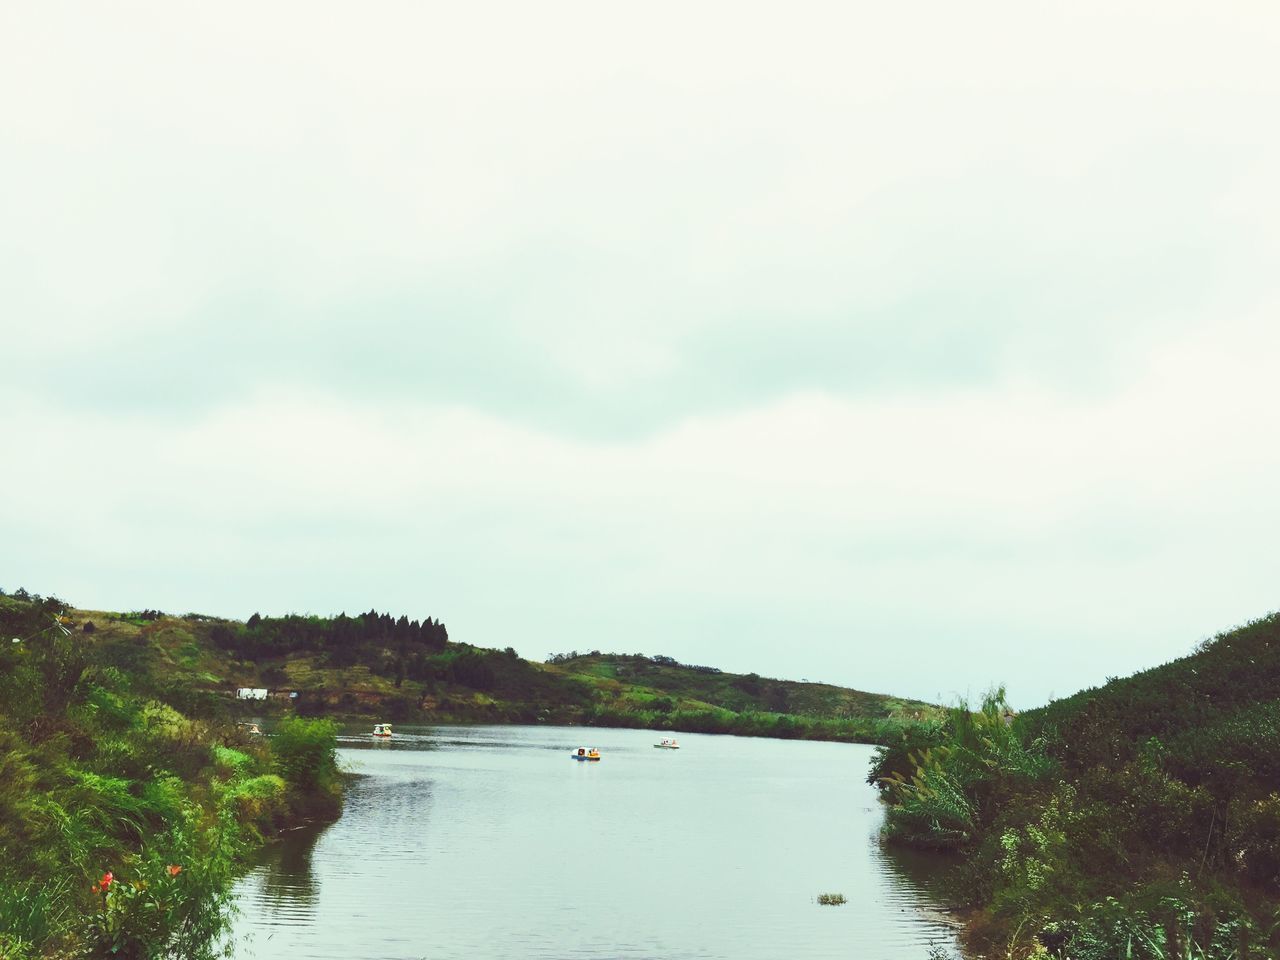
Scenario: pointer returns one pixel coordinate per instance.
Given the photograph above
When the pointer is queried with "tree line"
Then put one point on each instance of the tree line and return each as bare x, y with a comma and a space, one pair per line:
343, 638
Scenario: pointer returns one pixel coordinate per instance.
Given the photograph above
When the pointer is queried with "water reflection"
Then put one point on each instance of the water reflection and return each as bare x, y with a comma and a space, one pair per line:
488, 842
286, 885
919, 883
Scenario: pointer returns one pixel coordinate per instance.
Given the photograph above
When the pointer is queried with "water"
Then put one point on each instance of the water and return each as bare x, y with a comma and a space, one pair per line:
478, 842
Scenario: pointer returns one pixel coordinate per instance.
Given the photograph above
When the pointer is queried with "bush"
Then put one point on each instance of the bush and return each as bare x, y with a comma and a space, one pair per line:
257, 801
306, 756
171, 902
231, 761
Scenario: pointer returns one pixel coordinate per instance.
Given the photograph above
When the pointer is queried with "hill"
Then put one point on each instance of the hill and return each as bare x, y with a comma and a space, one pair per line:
393, 668
1213, 717
1137, 819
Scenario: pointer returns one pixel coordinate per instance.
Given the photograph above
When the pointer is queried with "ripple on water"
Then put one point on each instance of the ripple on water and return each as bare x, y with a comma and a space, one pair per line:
486, 842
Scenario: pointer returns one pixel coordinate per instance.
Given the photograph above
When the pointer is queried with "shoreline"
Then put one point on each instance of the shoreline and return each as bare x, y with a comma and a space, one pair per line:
803, 728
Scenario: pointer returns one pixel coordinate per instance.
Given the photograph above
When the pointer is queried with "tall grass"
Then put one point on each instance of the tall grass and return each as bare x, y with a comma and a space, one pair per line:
122, 819
1138, 821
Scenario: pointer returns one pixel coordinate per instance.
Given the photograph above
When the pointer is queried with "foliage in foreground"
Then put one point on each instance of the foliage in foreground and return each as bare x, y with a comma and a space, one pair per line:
1138, 820
122, 819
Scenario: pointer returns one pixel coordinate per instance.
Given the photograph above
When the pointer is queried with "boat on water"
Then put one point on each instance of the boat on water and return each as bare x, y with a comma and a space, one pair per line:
586, 753
667, 743
382, 730
251, 728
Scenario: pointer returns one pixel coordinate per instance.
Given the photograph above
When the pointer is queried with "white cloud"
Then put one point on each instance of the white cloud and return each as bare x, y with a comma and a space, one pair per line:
905, 346
867, 531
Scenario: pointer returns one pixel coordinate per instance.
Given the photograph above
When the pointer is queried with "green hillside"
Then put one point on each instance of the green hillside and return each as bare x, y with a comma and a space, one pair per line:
1139, 819
1213, 717
127, 806
373, 665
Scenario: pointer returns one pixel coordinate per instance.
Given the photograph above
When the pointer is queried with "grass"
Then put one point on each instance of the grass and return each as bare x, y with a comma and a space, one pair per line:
831, 899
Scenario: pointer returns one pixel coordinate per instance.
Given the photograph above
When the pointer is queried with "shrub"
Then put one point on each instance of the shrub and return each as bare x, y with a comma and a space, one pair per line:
231, 761
160, 908
257, 801
306, 754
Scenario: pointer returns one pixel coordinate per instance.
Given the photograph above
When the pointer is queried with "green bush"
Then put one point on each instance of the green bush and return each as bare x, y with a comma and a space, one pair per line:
231, 761
306, 756
169, 902
1140, 820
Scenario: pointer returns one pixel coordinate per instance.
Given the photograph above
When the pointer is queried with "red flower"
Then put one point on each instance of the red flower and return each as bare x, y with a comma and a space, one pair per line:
174, 870
107, 879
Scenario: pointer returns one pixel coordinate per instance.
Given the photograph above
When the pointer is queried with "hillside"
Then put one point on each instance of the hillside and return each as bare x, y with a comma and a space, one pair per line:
1211, 716
377, 666
125, 814
1138, 819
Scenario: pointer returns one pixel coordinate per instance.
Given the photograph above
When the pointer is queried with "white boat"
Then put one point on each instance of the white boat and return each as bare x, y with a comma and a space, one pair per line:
667, 743
382, 730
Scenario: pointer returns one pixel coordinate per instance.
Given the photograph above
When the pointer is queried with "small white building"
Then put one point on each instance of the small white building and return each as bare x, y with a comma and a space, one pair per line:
251, 693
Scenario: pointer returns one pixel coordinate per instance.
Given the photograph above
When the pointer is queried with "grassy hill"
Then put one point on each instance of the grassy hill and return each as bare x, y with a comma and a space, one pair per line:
376, 666
1139, 819
1212, 717
127, 806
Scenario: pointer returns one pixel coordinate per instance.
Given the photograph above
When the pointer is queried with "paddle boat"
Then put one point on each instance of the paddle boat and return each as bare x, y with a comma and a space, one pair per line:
586, 753
382, 730
667, 743
251, 728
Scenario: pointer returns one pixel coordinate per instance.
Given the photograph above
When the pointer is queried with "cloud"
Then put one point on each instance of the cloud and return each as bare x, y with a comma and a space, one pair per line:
782, 339
598, 221
991, 529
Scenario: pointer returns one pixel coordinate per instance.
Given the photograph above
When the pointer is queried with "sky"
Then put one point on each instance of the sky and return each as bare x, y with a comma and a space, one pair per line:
911, 347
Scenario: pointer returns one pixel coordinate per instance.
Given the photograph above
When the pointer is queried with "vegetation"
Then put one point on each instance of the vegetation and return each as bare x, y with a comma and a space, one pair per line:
1137, 820
831, 899
129, 794
397, 669
127, 800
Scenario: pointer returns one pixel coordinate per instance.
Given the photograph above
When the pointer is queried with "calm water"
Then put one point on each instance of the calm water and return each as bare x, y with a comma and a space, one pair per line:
477, 842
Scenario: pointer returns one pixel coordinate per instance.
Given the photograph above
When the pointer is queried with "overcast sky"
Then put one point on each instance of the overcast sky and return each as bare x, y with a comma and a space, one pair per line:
913, 347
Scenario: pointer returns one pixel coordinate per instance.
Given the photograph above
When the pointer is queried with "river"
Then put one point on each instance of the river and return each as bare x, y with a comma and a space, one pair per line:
479, 842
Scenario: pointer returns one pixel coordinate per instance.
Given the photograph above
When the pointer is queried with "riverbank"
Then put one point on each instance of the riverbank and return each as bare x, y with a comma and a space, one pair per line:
709, 721
1139, 819
123, 819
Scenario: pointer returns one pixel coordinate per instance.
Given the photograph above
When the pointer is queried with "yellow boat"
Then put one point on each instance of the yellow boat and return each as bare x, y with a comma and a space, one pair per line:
586, 753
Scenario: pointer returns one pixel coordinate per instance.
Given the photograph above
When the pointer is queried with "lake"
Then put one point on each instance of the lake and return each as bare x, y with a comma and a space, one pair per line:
477, 842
